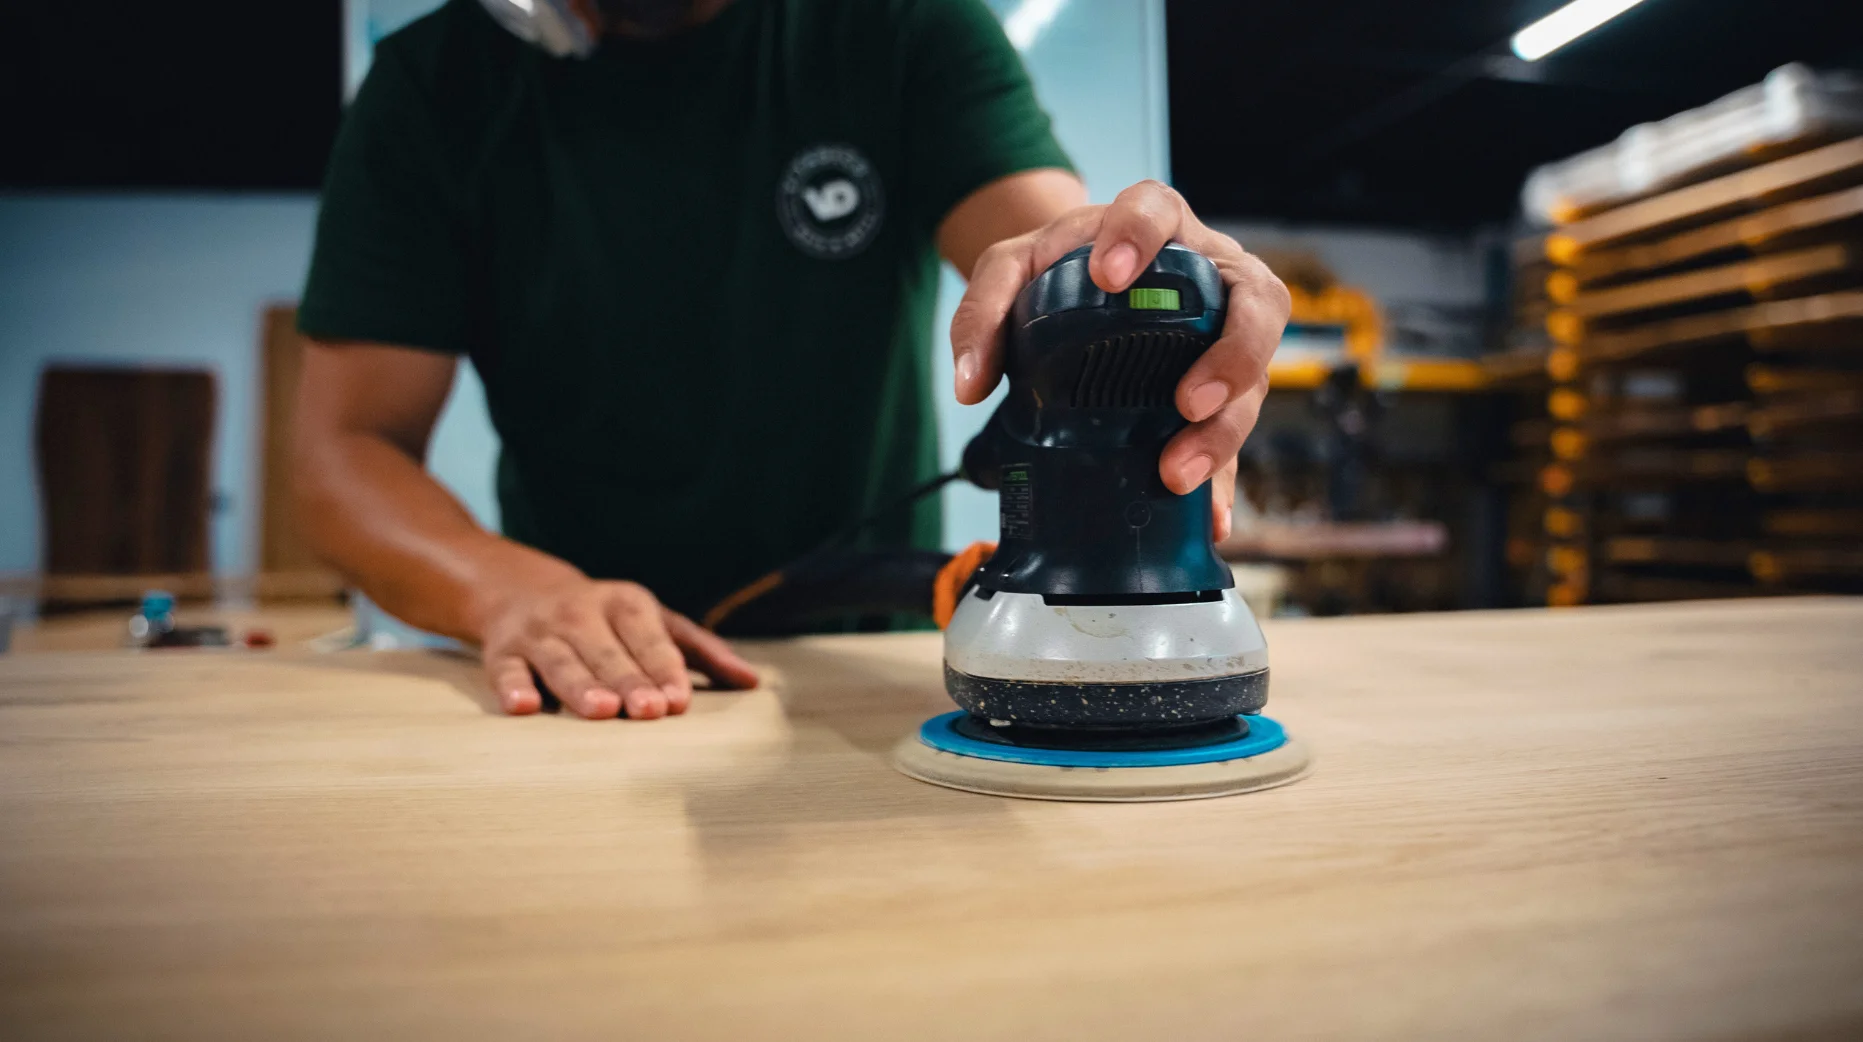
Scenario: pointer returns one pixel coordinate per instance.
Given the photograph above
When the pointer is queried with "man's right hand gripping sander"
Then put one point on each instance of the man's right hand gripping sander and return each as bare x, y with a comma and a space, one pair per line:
1102, 653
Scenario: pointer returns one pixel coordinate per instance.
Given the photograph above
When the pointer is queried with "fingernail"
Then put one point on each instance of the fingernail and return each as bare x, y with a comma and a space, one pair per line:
1207, 398
603, 704
1121, 264
508, 700
652, 703
1195, 472
966, 368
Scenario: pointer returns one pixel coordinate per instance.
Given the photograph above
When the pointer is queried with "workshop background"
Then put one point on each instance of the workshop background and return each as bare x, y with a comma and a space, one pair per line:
1575, 328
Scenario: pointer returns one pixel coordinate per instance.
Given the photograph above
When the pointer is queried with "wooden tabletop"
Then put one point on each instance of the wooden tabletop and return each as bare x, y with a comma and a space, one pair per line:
1593, 824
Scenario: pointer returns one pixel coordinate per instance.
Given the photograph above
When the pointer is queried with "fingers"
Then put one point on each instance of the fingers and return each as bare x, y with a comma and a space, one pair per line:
708, 653
1138, 224
1200, 450
1238, 360
601, 654
1131, 232
1223, 500
976, 327
662, 686
1221, 392
999, 275
571, 680
602, 648
511, 682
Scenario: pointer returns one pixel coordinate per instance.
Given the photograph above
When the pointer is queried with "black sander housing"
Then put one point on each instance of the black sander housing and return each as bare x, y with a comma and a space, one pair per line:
1105, 615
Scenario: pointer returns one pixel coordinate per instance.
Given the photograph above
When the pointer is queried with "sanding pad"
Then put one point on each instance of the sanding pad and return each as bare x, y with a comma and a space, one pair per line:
941, 755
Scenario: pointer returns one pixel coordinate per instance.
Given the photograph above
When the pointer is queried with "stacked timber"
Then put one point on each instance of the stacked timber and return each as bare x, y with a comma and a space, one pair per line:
1704, 427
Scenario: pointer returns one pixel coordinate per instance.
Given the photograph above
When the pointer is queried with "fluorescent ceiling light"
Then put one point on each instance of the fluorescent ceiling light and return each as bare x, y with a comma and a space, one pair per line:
1563, 26
1028, 20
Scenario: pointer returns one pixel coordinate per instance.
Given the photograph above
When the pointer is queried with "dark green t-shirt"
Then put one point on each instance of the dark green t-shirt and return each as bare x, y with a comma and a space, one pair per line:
696, 276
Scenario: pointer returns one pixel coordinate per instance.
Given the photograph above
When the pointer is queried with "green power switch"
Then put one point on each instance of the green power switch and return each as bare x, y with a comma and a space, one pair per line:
1153, 299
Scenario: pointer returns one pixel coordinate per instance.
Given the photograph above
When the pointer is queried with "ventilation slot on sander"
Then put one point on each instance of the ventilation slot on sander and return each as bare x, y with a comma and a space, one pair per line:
1135, 370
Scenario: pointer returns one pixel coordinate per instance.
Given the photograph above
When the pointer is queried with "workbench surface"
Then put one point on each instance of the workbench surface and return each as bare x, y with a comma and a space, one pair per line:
1593, 824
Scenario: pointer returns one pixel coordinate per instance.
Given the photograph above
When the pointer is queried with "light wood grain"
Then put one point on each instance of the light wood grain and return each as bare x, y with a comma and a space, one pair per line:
1606, 823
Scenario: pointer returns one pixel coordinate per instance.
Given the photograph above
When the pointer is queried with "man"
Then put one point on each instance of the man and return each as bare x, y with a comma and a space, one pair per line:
695, 271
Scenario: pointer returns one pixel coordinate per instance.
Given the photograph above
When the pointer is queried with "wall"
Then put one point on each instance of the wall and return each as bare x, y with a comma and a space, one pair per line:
1395, 267
170, 280
143, 281
366, 21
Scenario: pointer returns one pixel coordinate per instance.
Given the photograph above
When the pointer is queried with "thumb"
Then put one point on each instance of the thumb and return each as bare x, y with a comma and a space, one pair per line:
710, 654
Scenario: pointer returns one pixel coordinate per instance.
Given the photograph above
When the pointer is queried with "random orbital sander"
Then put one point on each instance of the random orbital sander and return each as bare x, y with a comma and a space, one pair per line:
1102, 653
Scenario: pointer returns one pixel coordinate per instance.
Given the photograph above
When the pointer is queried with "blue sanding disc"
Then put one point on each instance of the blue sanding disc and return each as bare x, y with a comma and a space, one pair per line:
1264, 735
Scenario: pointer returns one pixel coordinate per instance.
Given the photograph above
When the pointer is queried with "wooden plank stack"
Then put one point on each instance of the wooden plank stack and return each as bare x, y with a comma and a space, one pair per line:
1704, 429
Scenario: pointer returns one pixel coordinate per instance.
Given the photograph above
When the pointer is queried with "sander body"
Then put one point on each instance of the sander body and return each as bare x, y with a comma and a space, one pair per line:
1102, 652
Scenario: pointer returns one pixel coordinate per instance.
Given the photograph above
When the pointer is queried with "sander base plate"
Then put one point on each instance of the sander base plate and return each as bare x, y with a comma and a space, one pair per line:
1263, 759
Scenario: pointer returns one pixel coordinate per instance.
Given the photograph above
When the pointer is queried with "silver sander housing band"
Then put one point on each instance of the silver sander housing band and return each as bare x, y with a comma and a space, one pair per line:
1015, 657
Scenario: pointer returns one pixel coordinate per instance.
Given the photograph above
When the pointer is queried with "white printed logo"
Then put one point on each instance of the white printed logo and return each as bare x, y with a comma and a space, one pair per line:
833, 200
829, 201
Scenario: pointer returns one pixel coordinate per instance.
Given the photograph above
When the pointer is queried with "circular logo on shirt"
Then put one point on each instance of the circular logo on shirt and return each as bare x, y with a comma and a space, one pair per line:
829, 201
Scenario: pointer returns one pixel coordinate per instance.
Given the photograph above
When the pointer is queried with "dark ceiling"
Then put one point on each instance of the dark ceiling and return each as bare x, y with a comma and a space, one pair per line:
1418, 114
1331, 110
205, 94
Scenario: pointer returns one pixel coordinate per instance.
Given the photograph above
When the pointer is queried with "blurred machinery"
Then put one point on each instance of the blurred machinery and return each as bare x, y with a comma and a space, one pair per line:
1359, 480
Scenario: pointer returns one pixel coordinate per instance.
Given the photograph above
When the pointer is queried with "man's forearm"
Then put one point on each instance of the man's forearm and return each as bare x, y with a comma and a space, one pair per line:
373, 512
366, 413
